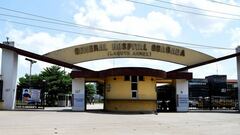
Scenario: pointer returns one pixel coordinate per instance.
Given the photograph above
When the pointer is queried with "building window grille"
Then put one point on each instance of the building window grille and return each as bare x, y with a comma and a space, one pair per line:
141, 78
134, 86
134, 94
134, 79
126, 78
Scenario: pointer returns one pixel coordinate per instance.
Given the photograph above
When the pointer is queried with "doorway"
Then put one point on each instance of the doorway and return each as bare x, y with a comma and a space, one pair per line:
166, 97
94, 96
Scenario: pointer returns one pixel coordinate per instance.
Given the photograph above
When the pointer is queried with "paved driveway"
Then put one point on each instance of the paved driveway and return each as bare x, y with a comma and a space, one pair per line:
90, 123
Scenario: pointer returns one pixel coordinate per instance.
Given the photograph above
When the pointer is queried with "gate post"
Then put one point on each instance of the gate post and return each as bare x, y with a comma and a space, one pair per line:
182, 95
238, 75
9, 77
78, 94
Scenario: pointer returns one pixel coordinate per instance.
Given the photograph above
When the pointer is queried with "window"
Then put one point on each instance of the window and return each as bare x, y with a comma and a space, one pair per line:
141, 78
134, 79
134, 94
134, 86
127, 78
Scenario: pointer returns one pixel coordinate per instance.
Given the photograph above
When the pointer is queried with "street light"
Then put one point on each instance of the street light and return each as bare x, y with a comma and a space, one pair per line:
31, 62
43, 93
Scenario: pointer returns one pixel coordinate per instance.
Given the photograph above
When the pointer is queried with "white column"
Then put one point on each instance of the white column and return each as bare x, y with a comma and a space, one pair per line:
238, 75
9, 76
78, 91
182, 95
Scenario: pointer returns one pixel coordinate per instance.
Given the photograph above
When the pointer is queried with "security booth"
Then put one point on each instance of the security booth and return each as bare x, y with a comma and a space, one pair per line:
126, 89
133, 89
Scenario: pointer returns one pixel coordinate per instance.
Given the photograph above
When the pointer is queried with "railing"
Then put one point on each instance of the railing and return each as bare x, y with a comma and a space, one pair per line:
216, 103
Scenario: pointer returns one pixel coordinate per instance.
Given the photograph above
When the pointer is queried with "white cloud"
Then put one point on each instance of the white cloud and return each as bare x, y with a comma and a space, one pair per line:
37, 42
82, 40
90, 14
206, 70
204, 24
107, 14
117, 8
227, 67
41, 43
235, 37
154, 24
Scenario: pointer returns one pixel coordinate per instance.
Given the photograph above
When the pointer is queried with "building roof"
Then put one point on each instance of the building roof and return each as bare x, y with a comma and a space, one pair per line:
131, 71
129, 49
232, 81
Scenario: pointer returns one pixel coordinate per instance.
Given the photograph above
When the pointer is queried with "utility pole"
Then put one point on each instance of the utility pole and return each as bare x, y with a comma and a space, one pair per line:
30, 74
238, 75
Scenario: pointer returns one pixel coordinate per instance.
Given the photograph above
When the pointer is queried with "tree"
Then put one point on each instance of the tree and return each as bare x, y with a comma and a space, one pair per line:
24, 82
56, 81
35, 81
91, 91
100, 89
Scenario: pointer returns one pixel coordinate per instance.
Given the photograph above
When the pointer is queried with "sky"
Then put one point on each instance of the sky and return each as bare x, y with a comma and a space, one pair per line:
164, 20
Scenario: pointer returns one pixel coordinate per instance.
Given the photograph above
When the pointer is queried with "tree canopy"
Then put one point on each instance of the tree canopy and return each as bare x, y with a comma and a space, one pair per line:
52, 80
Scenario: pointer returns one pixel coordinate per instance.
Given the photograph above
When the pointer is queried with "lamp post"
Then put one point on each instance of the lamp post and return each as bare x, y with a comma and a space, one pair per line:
43, 93
30, 74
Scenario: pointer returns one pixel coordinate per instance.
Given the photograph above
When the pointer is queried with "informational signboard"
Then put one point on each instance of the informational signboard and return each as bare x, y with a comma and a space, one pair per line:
78, 102
182, 100
31, 95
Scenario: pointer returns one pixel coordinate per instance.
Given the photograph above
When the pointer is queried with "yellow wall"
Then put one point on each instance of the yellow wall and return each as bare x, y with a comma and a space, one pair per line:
119, 89
131, 105
119, 94
147, 88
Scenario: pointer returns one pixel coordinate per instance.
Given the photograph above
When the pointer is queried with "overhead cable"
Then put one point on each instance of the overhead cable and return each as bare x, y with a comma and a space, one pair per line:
183, 11
219, 2
61, 30
207, 10
106, 30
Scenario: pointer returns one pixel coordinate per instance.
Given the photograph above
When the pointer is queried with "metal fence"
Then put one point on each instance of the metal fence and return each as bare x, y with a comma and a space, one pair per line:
215, 103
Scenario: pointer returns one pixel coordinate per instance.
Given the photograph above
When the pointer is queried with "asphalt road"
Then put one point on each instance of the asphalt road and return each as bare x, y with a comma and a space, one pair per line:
96, 123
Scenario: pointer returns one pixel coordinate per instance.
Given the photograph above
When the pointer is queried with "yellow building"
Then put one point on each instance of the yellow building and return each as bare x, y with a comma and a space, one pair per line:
130, 93
126, 89
131, 89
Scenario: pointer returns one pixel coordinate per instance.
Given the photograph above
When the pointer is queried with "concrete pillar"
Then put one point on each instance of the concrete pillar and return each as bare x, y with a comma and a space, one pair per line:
9, 76
78, 92
182, 95
238, 75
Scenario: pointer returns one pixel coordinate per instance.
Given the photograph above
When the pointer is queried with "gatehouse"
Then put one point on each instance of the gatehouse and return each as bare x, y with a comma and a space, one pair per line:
128, 89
